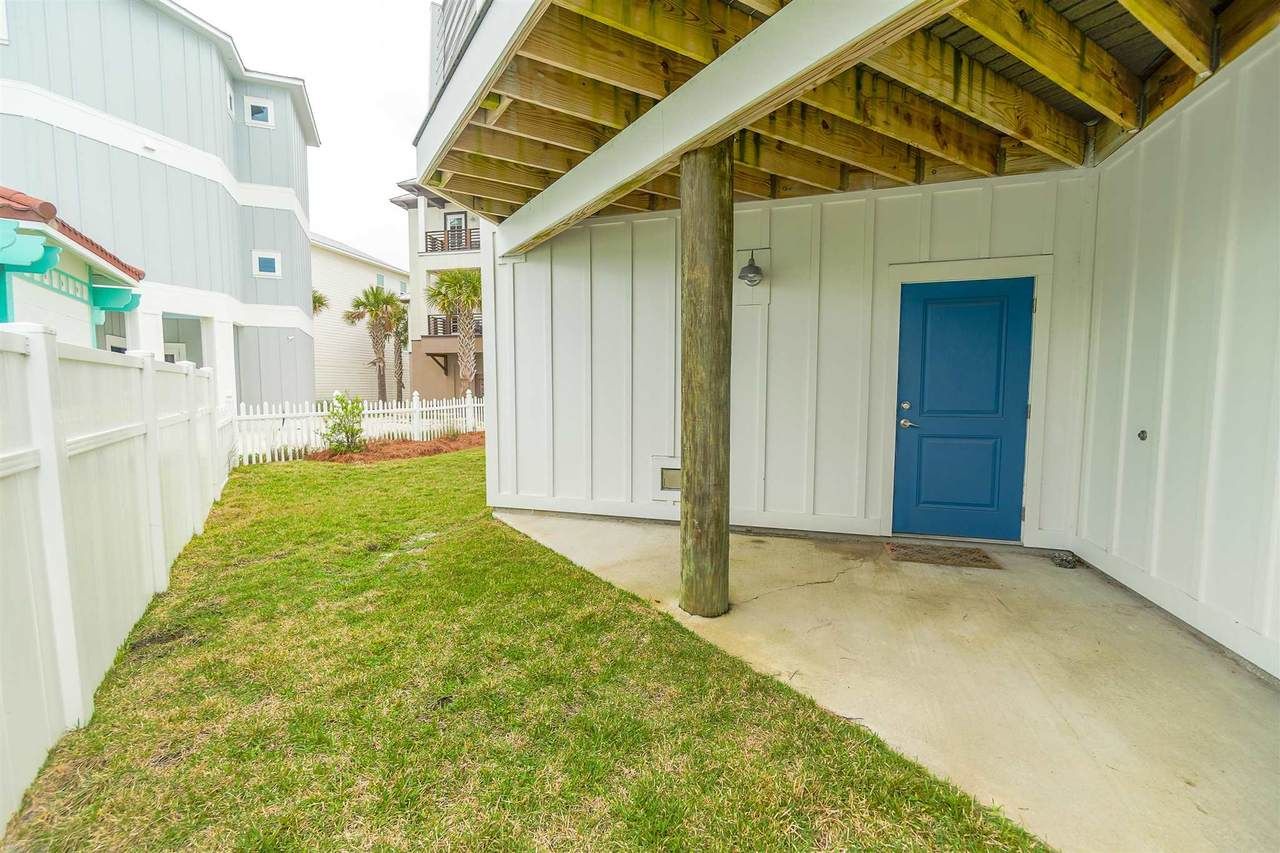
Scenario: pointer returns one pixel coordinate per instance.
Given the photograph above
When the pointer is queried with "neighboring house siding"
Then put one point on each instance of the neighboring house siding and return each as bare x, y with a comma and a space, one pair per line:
343, 351
274, 364
130, 60
180, 228
149, 160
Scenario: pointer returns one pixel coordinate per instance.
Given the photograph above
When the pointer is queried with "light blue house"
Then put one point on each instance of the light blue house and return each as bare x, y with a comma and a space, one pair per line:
139, 121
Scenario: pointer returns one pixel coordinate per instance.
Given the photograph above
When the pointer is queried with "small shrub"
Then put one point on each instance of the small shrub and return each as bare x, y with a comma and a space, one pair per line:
343, 427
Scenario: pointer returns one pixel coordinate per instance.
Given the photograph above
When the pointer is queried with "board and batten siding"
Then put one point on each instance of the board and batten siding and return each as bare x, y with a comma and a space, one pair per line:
1186, 346
588, 363
1163, 315
181, 228
131, 60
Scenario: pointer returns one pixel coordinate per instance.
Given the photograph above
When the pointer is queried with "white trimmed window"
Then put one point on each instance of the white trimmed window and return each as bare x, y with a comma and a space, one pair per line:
404, 287
259, 112
266, 264
231, 101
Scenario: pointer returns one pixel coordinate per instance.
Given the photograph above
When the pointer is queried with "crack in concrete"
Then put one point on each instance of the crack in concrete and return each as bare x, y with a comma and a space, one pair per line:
829, 580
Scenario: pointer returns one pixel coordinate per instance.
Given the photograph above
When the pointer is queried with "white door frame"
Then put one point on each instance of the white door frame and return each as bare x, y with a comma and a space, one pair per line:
888, 299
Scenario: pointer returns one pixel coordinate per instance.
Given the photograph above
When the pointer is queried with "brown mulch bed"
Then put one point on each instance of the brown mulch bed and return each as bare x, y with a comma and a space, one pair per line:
381, 451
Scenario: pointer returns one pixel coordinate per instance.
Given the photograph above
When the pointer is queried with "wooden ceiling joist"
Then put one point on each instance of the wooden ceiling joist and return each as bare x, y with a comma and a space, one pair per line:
702, 31
563, 91
1184, 26
931, 66
1044, 39
840, 140
882, 105
544, 125
866, 110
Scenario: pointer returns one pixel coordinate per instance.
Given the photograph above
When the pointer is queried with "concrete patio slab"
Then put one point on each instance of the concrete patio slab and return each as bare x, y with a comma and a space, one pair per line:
1086, 713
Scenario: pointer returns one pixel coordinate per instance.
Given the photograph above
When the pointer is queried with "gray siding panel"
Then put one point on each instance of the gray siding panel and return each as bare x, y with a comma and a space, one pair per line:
274, 365
158, 73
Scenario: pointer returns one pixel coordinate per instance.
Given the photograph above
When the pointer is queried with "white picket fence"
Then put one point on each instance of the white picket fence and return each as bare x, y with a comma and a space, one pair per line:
108, 465
273, 432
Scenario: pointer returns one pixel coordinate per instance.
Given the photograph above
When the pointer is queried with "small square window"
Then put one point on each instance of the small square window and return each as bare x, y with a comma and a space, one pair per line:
259, 112
266, 264
669, 479
404, 288
381, 279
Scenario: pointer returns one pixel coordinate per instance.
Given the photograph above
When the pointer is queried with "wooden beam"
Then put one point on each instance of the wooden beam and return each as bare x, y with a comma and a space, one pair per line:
563, 91
794, 50
866, 108
777, 158
1244, 22
516, 149
1033, 32
706, 324
584, 46
488, 208
833, 137
880, 104
1239, 25
935, 68
701, 31
764, 7
1184, 26
481, 188
502, 171
566, 131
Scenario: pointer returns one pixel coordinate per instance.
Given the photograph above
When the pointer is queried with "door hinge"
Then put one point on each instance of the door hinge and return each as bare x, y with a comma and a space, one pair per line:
1028, 411
1034, 302
1024, 513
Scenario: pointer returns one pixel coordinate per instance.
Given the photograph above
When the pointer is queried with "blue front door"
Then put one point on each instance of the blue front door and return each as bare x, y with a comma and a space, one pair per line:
964, 370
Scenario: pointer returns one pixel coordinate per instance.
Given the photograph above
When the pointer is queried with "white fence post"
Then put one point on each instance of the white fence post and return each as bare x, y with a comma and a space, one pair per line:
469, 418
193, 460
211, 403
151, 454
415, 417
51, 479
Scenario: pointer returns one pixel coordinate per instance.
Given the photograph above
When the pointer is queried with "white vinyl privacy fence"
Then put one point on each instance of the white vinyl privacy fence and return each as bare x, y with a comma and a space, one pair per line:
275, 431
108, 465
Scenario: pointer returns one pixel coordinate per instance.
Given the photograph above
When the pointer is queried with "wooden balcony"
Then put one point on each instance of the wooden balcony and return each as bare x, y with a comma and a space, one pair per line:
453, 240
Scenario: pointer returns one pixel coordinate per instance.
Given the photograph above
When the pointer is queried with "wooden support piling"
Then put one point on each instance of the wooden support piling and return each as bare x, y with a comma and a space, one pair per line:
706, 304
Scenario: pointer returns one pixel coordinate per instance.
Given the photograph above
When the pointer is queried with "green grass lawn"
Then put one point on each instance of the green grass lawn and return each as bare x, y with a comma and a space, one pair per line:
360, 657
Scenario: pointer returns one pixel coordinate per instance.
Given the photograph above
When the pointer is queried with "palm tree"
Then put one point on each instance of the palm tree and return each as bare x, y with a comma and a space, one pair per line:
400, 340
457, 293
376, 307
319, 301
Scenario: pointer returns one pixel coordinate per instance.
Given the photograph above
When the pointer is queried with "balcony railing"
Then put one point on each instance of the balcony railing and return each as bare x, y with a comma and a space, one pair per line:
439, 325
453, 240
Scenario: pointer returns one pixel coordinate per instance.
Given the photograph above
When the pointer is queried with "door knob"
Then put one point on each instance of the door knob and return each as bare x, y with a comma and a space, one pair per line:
904, 423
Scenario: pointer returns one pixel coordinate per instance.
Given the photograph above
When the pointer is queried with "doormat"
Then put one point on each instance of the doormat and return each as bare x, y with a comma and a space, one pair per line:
940, 555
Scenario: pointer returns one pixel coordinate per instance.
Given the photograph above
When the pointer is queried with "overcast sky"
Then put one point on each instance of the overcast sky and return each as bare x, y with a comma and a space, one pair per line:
365, 64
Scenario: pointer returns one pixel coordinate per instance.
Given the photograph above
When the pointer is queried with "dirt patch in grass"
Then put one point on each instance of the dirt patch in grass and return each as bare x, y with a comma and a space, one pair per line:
384, 450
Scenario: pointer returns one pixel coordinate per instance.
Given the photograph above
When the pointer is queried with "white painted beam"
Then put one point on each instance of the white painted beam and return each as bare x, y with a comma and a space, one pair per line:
803, 44
503, 26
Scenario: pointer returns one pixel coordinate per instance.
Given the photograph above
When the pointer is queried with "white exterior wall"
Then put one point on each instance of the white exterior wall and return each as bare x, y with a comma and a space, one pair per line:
1186, 345
342, 351
1179, 337
587, 326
